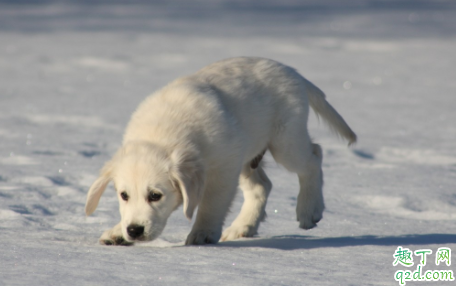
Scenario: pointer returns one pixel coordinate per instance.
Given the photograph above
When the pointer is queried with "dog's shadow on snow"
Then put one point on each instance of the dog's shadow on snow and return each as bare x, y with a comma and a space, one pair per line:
293, 242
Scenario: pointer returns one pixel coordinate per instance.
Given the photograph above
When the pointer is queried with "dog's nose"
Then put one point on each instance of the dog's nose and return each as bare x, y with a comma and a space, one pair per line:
135, 231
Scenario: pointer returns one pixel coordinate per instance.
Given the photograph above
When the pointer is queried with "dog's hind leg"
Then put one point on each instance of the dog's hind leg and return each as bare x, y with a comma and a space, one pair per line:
256, 187
294, 150
310, 203
114, 236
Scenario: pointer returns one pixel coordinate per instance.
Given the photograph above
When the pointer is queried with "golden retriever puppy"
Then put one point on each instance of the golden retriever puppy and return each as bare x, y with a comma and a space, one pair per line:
196, 140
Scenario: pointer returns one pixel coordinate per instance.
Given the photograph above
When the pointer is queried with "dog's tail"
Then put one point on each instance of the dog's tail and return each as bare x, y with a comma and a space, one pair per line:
317, 100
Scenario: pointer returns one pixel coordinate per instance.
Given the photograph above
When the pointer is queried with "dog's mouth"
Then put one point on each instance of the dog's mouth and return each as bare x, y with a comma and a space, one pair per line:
137, 239
142, 238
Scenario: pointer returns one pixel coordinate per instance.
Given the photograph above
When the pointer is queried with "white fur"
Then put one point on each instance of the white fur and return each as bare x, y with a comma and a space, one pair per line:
193, 142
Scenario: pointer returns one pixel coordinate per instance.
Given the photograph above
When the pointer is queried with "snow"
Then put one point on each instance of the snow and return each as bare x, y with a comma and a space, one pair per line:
72, 73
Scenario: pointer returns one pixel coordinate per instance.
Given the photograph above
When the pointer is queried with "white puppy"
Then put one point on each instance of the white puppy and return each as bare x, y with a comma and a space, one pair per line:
194, 141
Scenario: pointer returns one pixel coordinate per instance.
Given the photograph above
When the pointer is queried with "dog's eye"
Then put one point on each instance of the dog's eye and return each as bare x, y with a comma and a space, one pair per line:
154, 197
124, 196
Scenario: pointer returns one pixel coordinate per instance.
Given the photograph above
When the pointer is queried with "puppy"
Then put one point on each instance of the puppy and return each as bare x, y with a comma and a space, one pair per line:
195, 140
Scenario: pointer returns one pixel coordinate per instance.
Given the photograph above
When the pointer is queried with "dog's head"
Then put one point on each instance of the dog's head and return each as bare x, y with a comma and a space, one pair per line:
150, 184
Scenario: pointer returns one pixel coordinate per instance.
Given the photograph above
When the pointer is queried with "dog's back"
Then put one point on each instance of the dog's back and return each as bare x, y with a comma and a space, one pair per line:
251, 97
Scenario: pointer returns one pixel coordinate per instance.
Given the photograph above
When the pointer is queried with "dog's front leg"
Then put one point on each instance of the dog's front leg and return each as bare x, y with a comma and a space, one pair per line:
216, 201
114, 236
256, 187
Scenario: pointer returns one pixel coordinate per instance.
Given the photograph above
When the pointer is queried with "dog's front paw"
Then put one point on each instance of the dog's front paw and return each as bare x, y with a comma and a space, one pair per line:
119, 240
235, 232
200, 237
309, 215
114, 237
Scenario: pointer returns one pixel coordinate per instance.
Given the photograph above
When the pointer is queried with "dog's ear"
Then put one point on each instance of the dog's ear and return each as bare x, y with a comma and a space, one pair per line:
98, 187
188, 175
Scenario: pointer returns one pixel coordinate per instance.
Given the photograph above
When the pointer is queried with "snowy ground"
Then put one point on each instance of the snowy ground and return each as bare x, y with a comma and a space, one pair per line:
70, 76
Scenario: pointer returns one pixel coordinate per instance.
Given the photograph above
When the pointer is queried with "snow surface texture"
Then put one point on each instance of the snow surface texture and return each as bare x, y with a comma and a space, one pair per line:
72, 73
